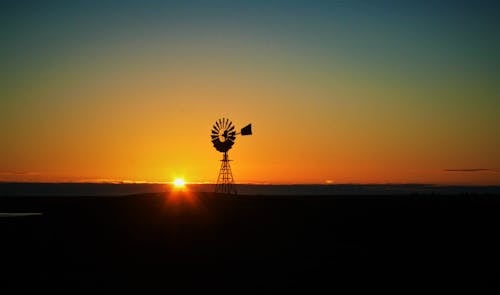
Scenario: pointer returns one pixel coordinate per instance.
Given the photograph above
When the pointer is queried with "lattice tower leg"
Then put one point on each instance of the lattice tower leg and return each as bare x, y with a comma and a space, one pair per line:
225, 181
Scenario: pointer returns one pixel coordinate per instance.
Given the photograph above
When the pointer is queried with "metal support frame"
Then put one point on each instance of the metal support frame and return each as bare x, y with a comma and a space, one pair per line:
225, 181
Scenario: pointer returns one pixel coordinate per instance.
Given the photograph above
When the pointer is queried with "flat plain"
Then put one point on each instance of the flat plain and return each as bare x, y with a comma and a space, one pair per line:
202, 242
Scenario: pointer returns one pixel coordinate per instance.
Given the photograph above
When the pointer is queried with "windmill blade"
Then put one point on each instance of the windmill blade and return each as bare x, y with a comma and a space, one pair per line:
223, 134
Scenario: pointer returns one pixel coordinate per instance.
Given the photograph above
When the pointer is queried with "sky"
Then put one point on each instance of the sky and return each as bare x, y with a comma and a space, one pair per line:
337, 91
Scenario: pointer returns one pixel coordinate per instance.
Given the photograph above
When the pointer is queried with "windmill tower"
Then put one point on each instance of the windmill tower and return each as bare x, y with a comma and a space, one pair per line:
223, 136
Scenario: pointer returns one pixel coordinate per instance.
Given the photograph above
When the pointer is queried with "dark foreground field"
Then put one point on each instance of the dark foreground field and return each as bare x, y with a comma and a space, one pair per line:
182, 243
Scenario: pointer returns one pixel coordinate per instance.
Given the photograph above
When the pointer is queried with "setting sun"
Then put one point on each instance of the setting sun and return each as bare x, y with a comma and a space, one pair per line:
179, 183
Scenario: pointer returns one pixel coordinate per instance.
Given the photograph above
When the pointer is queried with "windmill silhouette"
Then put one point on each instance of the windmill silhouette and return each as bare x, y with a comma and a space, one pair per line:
223, 136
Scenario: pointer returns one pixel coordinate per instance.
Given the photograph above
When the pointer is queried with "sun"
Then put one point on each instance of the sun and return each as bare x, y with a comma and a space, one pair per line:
179, 183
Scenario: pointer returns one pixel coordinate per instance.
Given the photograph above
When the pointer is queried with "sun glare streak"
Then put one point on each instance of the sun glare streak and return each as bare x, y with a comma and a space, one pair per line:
180, 198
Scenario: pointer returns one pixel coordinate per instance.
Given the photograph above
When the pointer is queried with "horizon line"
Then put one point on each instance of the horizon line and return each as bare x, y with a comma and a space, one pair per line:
249, 183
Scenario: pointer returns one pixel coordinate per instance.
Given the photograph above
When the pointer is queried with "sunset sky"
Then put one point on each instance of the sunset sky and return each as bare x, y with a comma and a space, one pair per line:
337, 91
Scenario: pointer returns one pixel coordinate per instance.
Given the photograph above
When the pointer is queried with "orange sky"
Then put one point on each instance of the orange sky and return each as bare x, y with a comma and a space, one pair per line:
328, 101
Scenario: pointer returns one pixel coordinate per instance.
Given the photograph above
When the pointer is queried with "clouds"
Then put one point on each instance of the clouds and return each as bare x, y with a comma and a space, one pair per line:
14, 173
18, 175
472, 170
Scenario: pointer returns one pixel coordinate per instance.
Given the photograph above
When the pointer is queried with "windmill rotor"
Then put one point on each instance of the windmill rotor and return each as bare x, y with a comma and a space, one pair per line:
223, 135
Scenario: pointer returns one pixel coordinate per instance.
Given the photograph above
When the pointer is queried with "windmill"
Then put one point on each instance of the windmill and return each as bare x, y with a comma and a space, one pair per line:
223, 137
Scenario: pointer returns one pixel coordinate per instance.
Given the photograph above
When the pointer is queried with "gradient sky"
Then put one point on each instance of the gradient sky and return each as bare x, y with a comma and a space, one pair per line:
337, 91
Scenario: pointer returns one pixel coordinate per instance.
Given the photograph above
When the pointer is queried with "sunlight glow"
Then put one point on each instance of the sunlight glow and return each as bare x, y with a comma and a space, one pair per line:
179, 183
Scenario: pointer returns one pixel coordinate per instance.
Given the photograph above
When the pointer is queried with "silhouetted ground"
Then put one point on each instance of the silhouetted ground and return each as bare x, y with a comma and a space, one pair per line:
183, 242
